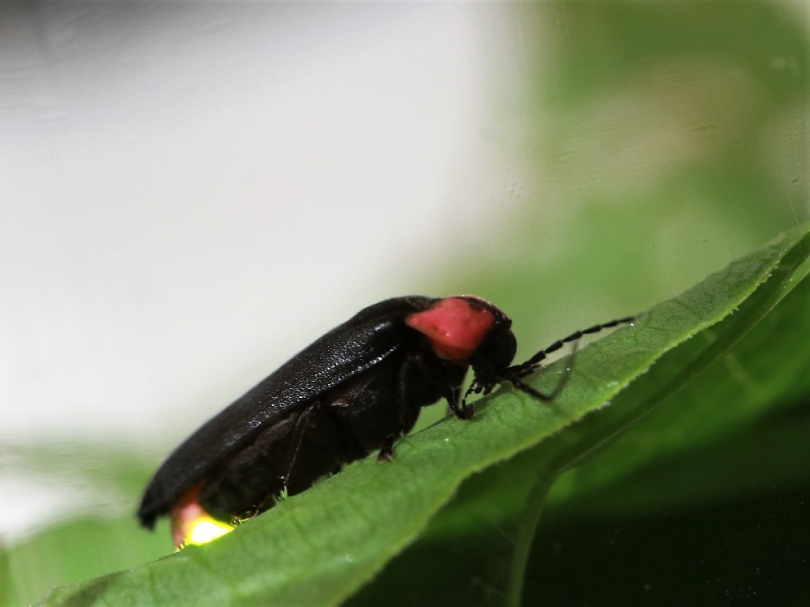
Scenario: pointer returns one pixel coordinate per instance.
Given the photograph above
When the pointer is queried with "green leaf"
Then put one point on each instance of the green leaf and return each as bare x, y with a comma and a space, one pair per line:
485, 532
322, 546
759, 371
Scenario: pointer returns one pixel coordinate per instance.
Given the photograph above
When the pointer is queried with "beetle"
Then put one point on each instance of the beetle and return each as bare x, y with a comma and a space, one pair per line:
354, 391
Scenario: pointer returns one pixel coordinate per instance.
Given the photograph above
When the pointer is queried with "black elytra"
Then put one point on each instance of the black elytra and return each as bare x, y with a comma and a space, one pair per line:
354, 391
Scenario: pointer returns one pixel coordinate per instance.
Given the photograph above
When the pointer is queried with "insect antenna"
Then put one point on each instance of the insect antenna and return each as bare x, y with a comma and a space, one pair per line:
298, 438
515, 373
528, 366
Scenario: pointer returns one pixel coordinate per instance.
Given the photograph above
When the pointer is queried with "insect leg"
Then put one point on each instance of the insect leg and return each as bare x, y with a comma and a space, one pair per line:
298, 437
406, 415
461, 410
387, 448
475, 388
449, 393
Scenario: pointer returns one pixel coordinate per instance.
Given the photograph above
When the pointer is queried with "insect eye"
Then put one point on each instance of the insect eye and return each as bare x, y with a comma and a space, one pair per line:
493, 355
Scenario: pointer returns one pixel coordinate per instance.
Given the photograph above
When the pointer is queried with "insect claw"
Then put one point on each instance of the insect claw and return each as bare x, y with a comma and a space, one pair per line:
385, 456
467, 411
387, 449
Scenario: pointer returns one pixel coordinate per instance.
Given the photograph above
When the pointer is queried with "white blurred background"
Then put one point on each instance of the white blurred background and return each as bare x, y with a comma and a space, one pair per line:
193, 192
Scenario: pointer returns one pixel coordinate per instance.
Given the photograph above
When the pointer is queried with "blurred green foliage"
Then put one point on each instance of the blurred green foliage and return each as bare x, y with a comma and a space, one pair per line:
655, 141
